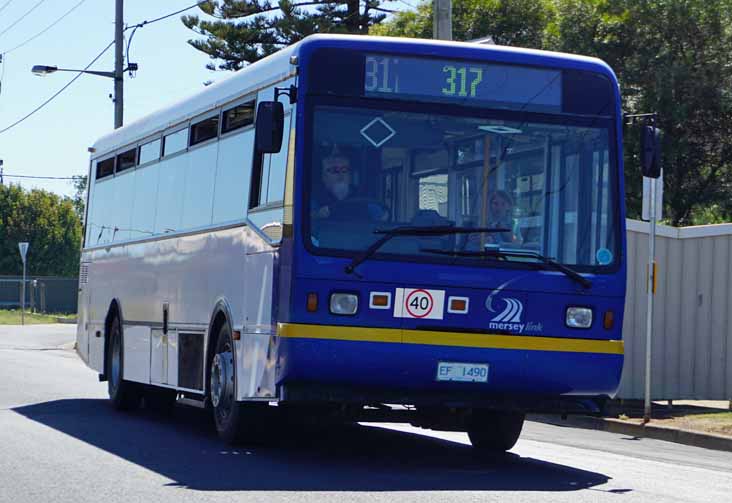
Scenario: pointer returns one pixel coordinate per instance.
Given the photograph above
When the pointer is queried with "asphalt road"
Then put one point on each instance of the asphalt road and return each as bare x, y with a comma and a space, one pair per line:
60, 441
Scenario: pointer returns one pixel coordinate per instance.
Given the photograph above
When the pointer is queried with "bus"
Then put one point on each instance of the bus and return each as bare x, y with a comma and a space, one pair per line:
367, 228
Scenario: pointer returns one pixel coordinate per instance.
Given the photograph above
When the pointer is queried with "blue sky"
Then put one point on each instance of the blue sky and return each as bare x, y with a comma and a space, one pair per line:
54, 141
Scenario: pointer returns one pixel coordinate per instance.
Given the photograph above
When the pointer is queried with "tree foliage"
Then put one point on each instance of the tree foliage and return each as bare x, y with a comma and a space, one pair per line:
248, 30
520, 23
80, 184
45, 220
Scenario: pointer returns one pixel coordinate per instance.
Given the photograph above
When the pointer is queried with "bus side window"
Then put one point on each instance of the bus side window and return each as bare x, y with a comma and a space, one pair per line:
268, 176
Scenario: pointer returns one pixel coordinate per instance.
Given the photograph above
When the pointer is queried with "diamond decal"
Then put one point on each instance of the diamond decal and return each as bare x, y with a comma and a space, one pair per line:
377, 132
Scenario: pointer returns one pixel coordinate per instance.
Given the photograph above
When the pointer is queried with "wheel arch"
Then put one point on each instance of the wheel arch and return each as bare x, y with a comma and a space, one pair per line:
220, 315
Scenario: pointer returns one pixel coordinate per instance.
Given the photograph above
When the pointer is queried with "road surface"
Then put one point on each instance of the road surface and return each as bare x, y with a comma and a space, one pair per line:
61, 441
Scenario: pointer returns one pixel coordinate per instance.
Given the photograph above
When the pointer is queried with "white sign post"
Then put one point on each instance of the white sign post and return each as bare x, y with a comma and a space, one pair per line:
23, 251
651, 291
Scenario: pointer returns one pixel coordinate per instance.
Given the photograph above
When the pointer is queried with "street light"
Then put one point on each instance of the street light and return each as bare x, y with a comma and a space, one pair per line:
43, 70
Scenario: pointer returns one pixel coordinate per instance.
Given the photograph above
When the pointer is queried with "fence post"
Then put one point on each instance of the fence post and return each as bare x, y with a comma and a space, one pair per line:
33, 286
43, 297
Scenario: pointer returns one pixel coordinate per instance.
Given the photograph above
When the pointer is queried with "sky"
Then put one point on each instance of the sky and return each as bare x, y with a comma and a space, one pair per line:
54, 141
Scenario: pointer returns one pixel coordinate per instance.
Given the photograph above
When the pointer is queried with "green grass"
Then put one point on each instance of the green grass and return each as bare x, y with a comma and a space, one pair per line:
711, 422
12, 317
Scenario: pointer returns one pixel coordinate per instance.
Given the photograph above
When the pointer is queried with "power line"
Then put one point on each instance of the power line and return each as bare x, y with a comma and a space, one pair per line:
5, 5
42, 177
140, 25
21, 18
49, 100
135, 27
68, 84
72, 9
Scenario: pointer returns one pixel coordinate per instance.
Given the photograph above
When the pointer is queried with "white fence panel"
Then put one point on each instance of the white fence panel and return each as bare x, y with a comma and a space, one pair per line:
692, 337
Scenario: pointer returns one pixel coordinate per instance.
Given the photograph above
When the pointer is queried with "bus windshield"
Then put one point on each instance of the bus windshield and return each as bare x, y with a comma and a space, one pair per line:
548, 182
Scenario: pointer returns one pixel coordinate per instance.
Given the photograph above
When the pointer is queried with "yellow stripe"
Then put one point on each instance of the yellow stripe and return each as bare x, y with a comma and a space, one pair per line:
459, 339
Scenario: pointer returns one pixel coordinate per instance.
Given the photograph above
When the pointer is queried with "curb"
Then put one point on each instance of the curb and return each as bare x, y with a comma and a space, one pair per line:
665, 433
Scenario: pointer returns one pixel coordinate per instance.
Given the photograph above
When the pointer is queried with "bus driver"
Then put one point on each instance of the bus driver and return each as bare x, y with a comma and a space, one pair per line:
336, 195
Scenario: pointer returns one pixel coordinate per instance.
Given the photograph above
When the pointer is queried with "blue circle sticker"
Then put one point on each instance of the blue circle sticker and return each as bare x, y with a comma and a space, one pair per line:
604, 256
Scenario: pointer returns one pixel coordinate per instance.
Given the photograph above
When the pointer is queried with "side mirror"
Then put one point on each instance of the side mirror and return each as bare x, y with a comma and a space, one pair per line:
651, 151
269, 127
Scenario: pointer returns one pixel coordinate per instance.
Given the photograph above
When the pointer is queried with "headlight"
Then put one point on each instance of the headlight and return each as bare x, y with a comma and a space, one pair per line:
579, 317
343, 303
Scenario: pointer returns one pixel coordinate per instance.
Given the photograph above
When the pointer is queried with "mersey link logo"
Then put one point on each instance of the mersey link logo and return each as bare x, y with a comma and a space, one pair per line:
510, 317
512, 312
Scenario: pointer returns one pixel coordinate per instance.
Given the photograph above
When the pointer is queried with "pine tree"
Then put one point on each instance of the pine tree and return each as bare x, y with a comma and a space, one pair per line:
248, 30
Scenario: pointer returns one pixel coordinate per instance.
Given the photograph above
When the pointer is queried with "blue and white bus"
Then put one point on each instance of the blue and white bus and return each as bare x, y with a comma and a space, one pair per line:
356, 224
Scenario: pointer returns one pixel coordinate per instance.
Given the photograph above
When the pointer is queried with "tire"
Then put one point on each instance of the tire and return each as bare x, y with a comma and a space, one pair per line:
492, 431
123, 395
235, 421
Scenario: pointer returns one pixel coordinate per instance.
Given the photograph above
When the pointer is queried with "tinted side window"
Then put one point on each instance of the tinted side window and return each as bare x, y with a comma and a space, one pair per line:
239, 116
205, 130
175, 142
126, 160
105, 168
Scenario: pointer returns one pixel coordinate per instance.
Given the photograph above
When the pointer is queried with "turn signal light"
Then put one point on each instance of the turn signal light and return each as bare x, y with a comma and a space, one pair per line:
312, 304
380, 300
458, 305
608, 320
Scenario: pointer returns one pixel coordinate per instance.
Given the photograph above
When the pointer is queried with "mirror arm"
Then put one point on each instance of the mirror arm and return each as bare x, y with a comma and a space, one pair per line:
291, 92
633, 118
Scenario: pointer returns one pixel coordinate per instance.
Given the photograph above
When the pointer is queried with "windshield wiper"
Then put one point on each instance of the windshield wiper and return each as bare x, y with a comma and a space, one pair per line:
498, 253
438, 230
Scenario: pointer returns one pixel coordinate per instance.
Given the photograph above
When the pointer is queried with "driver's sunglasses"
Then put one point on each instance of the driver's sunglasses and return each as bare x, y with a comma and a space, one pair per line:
338, 169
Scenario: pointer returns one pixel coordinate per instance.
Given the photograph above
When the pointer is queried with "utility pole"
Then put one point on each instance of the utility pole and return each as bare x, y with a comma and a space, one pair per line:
442, 20
118, 65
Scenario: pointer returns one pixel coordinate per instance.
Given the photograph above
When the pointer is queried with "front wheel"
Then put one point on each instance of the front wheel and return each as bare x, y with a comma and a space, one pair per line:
492, 431
235, 421
124, 395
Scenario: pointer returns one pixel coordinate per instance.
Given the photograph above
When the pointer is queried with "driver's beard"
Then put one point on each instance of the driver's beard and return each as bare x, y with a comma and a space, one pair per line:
340, 190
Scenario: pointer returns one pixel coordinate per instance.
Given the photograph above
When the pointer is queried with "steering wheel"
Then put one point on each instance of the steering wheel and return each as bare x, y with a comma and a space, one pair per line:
357, 208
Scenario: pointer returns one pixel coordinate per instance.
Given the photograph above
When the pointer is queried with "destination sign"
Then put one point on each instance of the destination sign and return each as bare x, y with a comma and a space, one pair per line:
501, 86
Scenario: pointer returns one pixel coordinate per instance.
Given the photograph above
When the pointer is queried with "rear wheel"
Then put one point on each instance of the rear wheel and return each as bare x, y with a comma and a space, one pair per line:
235, 421
124, 395
492, 431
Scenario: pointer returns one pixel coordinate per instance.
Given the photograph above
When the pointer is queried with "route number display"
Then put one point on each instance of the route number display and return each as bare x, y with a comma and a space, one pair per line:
462, 82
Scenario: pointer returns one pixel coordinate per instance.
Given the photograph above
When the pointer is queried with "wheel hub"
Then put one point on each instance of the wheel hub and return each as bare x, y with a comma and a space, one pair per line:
222, 381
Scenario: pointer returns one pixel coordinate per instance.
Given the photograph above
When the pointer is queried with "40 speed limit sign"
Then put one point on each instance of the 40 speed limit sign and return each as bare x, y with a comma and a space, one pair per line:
419, 303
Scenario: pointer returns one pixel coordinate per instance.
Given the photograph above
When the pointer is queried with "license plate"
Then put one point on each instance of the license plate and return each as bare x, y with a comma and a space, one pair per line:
463, 372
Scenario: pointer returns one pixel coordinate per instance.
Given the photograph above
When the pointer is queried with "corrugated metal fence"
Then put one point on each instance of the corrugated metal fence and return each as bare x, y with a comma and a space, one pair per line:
692, 337
44, 294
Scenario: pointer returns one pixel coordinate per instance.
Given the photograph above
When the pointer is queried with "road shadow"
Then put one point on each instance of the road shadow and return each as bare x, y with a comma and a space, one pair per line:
184, 448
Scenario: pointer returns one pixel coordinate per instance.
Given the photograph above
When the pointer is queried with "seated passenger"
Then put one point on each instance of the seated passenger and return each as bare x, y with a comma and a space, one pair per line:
500, 215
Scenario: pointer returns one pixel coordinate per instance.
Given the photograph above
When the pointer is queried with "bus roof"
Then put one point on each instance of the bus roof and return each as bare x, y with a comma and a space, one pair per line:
232, 86
277, 67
